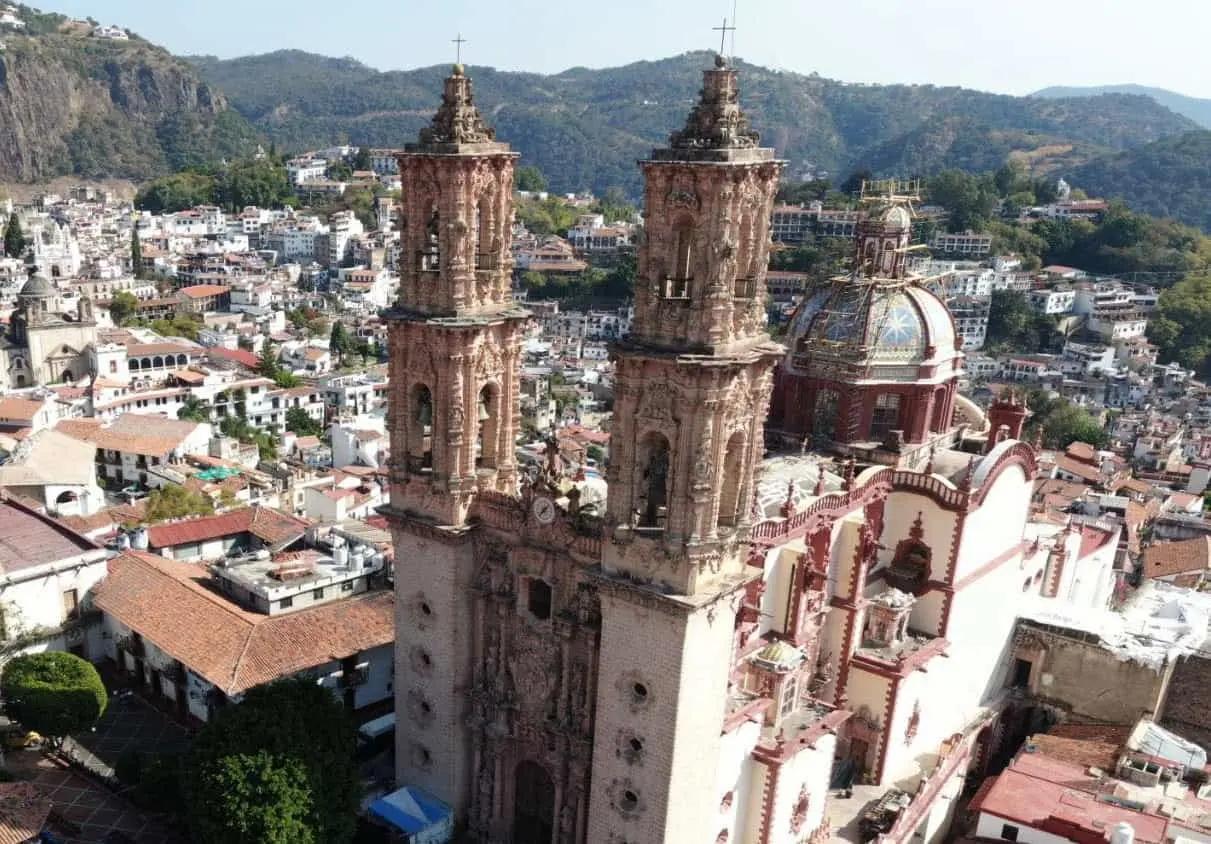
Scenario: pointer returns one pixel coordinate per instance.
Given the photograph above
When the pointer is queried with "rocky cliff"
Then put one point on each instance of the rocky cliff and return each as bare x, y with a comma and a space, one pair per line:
74, 104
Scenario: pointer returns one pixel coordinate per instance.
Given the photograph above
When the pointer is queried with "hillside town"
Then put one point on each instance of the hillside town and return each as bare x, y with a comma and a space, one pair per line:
748, 554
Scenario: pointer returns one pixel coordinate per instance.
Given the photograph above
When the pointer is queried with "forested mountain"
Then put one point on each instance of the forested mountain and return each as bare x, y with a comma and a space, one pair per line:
1167, 178
585, 128
71, 103
1197, 109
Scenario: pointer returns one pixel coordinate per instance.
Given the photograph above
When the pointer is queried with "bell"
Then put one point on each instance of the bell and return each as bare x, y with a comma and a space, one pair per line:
484, 416
424, 413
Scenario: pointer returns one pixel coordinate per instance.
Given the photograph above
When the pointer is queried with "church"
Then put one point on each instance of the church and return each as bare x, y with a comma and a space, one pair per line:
761, 619
46, 346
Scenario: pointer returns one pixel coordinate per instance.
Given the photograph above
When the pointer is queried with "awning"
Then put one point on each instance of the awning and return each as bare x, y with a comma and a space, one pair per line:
416, 813
377, 727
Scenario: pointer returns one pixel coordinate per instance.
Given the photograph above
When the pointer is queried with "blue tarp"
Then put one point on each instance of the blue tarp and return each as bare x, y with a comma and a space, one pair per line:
417, 813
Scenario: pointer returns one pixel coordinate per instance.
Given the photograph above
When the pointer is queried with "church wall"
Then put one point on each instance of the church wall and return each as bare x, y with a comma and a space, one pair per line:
982, 617
682, 662
868, 695
898, 516
917, 718
997, 524
1088, 582
434, 618
739, 801
800, 795
927, 613
43, 342
775, 603
841, 562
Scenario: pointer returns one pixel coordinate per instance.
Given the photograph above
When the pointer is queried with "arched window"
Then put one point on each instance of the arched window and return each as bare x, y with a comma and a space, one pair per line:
886, 415
20, 380
66, 497
67, 379
182, 360
420, 432
484, 258
824, 419
489, 427
430, 254
733, 474
678, 284
157, 362
653, 481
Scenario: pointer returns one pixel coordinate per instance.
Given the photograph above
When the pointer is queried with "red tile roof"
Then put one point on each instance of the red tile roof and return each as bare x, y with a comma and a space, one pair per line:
1049, 795
201, 291
1169, 558
271, 526
19, 410
240, 356
29, 539
171, 606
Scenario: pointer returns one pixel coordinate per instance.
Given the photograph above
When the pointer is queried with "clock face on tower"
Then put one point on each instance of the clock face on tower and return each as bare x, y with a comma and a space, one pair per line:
544, 509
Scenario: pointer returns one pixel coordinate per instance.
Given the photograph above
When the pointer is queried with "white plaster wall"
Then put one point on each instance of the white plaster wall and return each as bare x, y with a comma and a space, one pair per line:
737, 773
382, 671
811, 769
38, 601
989, 826
998, 523
900, 512
683, 660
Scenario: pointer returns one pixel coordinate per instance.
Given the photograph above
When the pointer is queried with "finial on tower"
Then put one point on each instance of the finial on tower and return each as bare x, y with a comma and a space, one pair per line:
721, 58
458, 54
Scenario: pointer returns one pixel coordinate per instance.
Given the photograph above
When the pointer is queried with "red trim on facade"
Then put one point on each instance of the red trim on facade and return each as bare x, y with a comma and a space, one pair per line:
905, 664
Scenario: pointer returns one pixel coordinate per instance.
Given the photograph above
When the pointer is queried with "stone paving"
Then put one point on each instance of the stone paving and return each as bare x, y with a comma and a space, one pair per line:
86, 812
131, 723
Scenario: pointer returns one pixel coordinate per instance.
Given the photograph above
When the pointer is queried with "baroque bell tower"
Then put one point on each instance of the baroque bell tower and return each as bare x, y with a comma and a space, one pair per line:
692, 388
455, 346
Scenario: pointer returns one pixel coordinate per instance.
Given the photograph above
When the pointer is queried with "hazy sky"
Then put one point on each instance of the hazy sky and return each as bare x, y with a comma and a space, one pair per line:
1013, 46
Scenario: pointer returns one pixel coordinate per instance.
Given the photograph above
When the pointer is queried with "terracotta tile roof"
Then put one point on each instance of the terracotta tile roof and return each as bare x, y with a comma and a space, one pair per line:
24, 810
29, 539
1187, 556
171, 606
315, 354
201, 291
142, 350
304, 443
1081, 451
1087, 745
1092, 539
240, 356
1078, 468
271, 526
19, 410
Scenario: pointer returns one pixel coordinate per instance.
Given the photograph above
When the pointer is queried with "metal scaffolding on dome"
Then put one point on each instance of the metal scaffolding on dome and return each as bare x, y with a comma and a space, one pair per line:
847, 322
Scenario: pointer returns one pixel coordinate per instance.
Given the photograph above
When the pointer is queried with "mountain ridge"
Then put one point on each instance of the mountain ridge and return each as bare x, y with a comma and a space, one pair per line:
585, 128
1197, 109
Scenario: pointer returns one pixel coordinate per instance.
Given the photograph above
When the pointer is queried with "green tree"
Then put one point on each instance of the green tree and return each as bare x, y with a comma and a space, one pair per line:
14, 237
1181, 324
301, 424
176, 502
340, 171
136, 253
193, 409
123, 306
970, 201
1014, 325
261, 797
530, 179
361, 161
1067, 423
53, 693
176, 193
309, 741
338, 340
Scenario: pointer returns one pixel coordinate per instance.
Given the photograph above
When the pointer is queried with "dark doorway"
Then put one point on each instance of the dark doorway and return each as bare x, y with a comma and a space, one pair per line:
1021, 673
533, 805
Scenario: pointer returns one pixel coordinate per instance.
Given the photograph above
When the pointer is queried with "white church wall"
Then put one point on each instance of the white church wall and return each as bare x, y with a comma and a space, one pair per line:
737, 773
900, 512
805, 775
997, 524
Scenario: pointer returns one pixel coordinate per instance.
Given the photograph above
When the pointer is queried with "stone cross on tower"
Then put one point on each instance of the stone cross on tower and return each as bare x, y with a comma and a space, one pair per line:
723, 31
458, 48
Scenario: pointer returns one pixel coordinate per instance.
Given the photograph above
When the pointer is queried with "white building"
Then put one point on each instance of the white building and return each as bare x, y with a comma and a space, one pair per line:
300, 615
1052, 301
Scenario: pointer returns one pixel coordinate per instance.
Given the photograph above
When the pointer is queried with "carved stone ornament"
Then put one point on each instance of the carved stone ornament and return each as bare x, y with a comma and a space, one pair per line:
799, 812
533, 669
